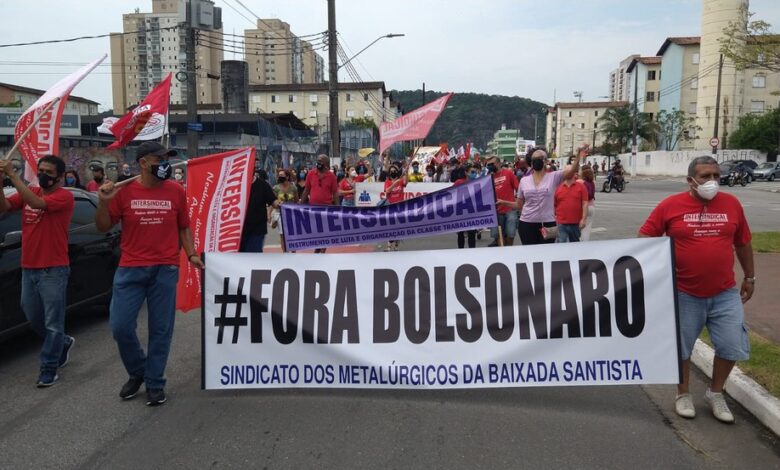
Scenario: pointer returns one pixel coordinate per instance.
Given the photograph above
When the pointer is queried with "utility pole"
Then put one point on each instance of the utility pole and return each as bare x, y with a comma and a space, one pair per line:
717, 105
333, 83
192, 88
634, 146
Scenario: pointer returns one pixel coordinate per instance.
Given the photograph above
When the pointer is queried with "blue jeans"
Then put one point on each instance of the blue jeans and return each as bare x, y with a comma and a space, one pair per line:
725, 319
156, 284
253, 244
43, 303
568, 233
508, 224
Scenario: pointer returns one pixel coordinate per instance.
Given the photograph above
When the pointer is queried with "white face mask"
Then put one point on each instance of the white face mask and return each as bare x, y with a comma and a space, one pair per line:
353, 173
707, 190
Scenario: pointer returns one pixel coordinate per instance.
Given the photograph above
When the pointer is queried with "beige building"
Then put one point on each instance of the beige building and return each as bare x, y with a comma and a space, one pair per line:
570, 124
645, 74
154, 47
310, 102
276, 56
618, 80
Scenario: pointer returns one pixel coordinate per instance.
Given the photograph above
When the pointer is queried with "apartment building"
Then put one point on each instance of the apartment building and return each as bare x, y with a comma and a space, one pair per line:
311, 104
570, 124
152, 45
644, 73
276, 56
618, 80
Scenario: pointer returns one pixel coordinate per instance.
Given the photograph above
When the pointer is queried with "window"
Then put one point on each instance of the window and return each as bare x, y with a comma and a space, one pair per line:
650, 96
83, 213
292, 98
350, 113
596, 113
695, 58
365, 96
256, 98
582, 125
568, 113
274, 99
759, 81
595, 125
349, 96
368, 113
695, 84
313, 114
650, 115
756, 106
760, 58
651, 74
692, 107
312, 98
582, 113
571, 125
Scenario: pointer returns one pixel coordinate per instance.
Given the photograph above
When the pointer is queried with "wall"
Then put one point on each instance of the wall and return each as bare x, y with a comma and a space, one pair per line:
675, 163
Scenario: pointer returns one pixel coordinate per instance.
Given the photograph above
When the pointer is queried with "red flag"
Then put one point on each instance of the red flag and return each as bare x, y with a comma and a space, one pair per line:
44, 139
413, 125
468, 150
132, 123
217, 196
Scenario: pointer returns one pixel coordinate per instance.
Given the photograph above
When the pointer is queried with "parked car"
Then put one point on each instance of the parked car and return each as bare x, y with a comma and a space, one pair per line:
94, 257
768, 170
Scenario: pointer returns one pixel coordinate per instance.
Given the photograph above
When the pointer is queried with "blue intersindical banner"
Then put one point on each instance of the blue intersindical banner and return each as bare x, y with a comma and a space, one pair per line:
468, 206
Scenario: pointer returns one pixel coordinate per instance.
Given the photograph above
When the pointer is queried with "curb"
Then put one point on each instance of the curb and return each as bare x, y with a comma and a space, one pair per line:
742, 388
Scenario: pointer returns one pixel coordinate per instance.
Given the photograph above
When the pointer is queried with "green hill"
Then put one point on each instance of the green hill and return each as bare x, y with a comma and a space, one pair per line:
475, 117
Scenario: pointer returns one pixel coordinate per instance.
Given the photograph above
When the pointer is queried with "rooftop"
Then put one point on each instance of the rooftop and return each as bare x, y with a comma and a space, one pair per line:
680, 41
652, 60
591, 104
35, 91
342, 86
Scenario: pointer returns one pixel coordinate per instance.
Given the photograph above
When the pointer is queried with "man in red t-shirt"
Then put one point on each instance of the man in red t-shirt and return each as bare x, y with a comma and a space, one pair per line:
155, 226
571, 209
98, 176
46, 212
707, 228
506, 184
322, 188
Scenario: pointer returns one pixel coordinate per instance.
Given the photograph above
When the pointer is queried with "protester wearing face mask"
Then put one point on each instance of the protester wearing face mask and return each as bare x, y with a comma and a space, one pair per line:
124, 173
98, 177
47, 210
394, 193
286, 193
415, 176
178, 175
505, 183
536, 195
707, 228
261, 200
429, 174
155, 227
347, 188
72, 180
321, 187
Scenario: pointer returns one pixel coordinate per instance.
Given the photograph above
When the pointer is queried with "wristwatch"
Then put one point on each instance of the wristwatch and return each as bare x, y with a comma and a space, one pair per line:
751, 280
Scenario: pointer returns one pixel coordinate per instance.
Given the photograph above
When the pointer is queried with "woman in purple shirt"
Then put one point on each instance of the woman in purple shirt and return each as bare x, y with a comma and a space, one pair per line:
536, 196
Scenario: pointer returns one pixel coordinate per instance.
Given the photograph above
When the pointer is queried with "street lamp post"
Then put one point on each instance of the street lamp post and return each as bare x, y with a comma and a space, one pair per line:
335, 139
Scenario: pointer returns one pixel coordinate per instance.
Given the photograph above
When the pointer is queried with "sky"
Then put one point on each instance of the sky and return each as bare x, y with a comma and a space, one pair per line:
538, 49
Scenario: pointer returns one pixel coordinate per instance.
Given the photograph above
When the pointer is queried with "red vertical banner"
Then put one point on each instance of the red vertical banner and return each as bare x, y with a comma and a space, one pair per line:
217, 197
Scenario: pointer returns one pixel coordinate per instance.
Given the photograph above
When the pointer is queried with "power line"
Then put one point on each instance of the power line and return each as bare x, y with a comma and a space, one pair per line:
257, 44
373, 103
97, 36
301, 36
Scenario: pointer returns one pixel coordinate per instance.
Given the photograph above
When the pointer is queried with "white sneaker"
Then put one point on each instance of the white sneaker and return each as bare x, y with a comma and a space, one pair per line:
720, 410
683, 405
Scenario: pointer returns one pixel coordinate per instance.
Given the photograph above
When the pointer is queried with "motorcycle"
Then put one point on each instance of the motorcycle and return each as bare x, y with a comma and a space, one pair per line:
738, 177
613, 181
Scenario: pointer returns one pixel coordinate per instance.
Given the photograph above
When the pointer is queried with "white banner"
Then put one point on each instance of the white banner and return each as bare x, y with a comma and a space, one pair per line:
369, 194
555, 315
154, 129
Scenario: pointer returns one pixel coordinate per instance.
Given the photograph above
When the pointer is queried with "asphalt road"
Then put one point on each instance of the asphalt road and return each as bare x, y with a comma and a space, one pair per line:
81, 423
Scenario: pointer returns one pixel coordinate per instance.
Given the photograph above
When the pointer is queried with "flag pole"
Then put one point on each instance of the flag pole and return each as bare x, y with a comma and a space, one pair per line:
30, 128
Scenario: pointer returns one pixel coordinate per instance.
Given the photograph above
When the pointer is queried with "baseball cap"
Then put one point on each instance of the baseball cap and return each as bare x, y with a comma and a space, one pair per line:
154, 148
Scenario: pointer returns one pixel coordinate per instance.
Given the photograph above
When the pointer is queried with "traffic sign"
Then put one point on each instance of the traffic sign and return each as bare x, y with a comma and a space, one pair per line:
195, 126
714, 142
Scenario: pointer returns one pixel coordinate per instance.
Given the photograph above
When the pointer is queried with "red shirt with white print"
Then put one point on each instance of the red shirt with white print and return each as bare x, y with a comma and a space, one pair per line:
45, 231
506, 185
397, 193
151, 219
704, 235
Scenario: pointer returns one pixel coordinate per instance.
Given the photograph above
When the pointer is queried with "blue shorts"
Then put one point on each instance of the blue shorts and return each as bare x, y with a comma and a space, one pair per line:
508, 223
725, 320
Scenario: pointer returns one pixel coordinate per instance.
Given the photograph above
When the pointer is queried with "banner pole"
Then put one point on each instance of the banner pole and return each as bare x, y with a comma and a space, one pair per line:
30, 128
500, 236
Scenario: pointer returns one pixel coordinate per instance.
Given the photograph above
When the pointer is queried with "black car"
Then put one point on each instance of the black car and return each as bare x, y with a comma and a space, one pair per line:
94, 257
731, 165
748, 165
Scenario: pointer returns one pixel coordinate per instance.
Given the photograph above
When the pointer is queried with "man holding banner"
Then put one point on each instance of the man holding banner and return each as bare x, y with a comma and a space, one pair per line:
155, 226
707, 228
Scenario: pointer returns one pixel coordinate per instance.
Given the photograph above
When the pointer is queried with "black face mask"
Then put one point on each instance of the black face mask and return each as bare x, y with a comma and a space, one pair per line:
281, 179
537, 164
162, 171
320, 166
393, 173
491, 167
46, 181
98, 179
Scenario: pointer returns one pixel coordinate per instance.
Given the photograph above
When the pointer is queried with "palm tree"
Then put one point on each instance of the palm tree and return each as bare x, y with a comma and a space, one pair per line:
616, 125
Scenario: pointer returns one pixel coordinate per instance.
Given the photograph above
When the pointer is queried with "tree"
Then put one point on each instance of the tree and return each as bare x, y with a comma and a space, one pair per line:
751, 44
363, 123
675, 125
758, 131
616, 125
